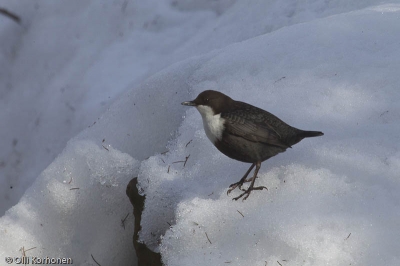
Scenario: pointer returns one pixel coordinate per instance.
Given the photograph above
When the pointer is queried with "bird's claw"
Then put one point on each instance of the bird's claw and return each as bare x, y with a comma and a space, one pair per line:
248, 191
238, 184
234, 186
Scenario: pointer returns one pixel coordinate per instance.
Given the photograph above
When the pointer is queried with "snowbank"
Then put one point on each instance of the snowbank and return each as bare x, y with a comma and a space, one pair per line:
331, 200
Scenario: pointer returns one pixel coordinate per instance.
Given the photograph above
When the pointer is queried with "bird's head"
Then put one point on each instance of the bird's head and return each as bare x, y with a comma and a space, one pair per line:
210, 101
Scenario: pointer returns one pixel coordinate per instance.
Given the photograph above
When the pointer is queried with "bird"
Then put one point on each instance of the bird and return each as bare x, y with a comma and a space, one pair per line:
245, 133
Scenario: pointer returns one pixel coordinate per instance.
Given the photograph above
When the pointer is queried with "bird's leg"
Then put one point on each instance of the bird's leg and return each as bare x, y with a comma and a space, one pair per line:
249, 180
241, 181
251, 187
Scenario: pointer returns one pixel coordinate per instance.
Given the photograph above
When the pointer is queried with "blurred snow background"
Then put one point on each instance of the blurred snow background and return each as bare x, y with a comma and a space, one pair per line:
110, 76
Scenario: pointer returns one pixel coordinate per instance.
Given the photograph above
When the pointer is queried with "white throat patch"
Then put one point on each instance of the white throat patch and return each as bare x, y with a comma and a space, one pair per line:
213, 124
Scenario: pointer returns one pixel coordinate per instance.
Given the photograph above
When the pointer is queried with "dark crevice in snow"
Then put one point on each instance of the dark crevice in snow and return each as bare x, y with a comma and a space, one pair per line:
145, 256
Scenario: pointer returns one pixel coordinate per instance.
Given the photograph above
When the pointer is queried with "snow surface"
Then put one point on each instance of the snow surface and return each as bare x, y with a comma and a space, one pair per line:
72, 209
127, 65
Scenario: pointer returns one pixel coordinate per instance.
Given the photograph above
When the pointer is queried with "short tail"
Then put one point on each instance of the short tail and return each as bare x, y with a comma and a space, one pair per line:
310, 134
301, 134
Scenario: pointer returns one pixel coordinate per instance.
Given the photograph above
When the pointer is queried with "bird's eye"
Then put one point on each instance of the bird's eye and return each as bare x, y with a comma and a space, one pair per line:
207, 99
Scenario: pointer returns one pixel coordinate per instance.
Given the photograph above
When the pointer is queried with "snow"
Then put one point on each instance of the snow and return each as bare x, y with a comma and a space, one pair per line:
91, 95
56, 211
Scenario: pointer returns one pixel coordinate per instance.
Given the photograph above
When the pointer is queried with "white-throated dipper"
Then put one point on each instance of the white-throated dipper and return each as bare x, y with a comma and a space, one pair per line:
245, 133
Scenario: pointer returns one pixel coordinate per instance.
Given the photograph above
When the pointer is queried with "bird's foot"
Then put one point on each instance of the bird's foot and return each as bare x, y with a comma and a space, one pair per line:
238, 184
248, 191
234, 186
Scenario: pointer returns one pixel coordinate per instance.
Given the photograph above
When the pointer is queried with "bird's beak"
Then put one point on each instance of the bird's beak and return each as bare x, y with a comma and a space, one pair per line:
190, 103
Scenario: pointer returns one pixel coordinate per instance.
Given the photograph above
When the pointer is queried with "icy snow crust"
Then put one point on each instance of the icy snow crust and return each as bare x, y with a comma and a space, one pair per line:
73, 208
70, 60
332, 200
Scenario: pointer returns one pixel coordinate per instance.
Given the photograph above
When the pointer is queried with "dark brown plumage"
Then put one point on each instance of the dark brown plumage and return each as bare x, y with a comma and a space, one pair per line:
245, 133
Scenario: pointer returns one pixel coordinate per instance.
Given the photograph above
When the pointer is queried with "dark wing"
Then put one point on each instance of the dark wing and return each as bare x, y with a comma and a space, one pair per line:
248, 126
